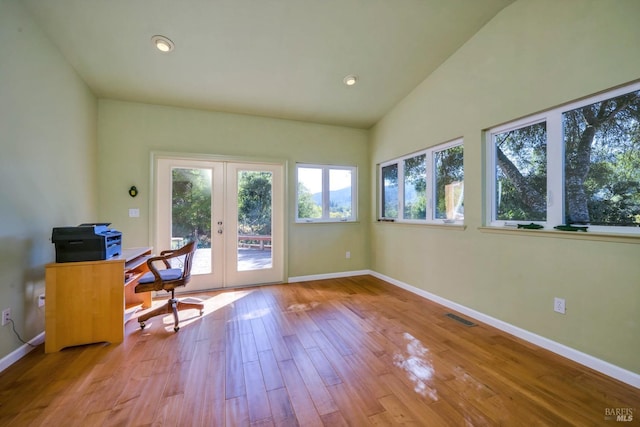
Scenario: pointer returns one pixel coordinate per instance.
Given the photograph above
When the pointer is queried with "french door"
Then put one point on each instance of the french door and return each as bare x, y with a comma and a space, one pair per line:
233, 210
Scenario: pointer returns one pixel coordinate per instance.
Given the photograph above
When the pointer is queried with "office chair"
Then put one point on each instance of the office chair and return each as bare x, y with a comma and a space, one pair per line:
168, 279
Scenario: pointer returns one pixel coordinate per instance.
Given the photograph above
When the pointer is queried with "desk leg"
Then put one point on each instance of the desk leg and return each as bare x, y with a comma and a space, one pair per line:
131, 298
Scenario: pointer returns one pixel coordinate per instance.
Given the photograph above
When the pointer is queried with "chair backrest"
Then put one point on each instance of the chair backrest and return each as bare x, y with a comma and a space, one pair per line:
156, 280
189, 251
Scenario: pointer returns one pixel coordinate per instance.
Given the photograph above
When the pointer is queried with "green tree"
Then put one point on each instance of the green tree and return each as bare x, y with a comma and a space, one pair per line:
449, 169
254, 203
521, 155
307, 208
415, 177
191, 205
601, 143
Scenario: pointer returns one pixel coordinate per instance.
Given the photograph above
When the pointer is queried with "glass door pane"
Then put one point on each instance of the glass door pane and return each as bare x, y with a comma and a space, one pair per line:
191, 214
254, 193
254, 242
189, 197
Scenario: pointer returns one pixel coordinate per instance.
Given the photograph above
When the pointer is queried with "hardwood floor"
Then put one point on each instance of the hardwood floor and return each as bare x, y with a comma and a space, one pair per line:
354, 351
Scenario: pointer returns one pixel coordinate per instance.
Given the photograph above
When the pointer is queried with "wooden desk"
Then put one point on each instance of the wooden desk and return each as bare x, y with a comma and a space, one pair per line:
90, 301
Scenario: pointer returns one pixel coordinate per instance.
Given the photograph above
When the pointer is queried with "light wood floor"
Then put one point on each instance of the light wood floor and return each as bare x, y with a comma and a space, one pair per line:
354, 351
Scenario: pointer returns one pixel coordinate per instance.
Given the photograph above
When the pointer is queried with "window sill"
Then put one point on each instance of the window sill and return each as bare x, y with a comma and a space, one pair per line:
452, 227
576, 235
327, 222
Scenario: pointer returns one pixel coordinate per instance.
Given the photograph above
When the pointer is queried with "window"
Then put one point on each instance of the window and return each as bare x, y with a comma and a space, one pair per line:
390, 191
521, 173
449, 183
574, 165
325, 193
424, 187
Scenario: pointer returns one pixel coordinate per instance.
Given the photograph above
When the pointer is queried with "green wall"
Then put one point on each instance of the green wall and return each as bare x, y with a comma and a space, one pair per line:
47, 163
532, 56
130, 132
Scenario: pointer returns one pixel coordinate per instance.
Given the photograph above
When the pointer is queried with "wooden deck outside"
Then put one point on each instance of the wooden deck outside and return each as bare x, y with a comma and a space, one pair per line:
247, 258
353, 351
263, 242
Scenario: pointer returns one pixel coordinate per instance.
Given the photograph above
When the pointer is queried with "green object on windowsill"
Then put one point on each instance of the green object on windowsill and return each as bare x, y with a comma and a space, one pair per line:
530, 226
570, 228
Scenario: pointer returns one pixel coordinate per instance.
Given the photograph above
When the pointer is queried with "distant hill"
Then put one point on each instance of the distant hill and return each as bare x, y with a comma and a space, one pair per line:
341, 198
392, 194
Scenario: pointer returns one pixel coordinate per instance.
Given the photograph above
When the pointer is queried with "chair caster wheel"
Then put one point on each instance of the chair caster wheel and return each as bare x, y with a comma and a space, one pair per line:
176, 328
142, 325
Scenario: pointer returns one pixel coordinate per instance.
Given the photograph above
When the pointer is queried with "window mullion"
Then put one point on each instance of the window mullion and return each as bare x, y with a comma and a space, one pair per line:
380, 183
325, 193
430, 178
555, 170
401, 190
354, 193
491, 180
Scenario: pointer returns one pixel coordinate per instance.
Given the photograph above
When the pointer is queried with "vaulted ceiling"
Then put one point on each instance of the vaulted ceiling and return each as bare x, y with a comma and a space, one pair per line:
276, 58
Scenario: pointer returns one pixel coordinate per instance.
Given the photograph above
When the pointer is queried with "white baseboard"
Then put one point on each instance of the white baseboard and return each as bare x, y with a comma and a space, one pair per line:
621, 374
328, 276
20, 352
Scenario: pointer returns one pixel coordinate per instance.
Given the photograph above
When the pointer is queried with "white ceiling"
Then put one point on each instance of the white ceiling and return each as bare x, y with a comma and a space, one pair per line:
276, 58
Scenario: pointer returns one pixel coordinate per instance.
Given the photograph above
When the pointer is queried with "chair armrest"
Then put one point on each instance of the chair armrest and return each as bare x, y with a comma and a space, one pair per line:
152, 268
164, 257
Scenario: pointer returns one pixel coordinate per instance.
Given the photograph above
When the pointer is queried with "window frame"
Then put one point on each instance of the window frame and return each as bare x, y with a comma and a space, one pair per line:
326, 172
555, 164
430, 192
381, 197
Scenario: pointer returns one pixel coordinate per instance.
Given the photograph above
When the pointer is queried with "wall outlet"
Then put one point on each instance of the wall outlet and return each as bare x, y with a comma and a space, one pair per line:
347, 255
41, 300
6, 315
559, 305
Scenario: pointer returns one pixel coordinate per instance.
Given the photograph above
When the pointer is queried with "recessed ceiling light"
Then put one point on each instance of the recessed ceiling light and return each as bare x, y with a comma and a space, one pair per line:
162, 43
350, 80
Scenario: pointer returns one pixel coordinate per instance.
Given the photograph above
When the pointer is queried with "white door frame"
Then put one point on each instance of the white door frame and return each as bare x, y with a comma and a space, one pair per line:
279, 248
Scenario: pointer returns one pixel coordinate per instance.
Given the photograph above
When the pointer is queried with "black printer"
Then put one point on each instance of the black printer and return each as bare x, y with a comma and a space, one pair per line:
86, 242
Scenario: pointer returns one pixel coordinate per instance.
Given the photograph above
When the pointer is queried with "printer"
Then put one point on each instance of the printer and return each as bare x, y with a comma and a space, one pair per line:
86, 242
